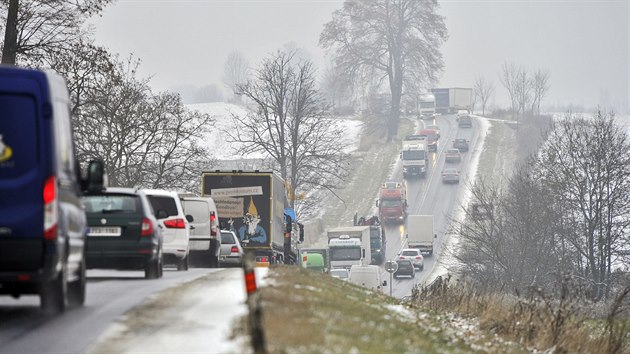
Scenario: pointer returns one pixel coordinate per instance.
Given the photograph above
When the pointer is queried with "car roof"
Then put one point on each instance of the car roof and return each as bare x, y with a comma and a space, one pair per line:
461, 139
452, 150
410, 249
161, 192
451, 169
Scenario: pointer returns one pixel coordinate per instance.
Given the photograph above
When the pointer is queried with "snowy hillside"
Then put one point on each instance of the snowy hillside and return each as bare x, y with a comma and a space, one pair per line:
217, 140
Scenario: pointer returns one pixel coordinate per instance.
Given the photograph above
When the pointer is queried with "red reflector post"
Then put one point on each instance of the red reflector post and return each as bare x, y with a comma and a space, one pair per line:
250, 282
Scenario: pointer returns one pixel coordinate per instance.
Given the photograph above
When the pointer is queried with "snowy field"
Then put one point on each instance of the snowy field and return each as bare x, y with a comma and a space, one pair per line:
218, 141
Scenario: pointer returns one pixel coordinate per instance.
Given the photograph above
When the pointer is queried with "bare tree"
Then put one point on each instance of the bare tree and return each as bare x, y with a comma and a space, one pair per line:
337, 87
289, 124
508, 78
235, 71
587, 166
523, 89
144, 139
398, 40
36, 27
483, 90
540, 87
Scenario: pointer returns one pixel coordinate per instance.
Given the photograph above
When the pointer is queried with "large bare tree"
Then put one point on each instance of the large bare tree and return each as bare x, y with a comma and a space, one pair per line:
289, 124
397, 40
235, 71
540, 87
36, 27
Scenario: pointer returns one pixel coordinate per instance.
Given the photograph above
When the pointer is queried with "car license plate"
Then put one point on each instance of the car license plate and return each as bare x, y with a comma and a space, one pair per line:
107, 231
199, 245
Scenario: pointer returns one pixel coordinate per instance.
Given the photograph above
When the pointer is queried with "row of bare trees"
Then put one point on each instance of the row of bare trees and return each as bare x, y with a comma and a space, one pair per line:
564, 212
146, 139
525, 89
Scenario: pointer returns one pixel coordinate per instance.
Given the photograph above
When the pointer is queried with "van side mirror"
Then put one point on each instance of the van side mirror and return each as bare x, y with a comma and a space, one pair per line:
363, 252
384, 282
435, 236
96, 178
377, 203
289, 224
190, 218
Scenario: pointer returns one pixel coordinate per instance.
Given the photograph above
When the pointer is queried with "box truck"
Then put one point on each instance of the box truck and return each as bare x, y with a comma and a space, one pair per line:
451, 100
254, 205
420, 233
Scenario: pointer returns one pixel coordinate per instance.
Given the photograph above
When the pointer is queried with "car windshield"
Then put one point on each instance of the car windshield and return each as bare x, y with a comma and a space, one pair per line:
345, 254
340, 273
111, 203
450, 171
452, 151
413, 155
391, 203
392, 185
227, 238
403, 262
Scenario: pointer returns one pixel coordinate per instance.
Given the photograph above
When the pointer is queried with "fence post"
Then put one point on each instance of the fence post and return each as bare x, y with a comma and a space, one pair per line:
256, 331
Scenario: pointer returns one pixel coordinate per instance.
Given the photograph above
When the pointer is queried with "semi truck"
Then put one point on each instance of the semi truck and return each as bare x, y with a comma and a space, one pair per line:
426, 106
348, 246
254, 205
450, 100
420, 233
414, 156
378, 242
392, 202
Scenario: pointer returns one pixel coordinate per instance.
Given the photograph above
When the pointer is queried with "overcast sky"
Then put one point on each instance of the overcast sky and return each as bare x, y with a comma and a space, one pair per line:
583, 44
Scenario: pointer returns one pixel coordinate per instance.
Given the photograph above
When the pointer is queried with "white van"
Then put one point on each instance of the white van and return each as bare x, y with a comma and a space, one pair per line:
368, 276
168, 210
205, 238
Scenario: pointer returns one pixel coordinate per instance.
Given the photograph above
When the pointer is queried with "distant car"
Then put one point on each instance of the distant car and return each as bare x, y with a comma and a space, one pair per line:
123, 233
168, 210
464, 121
452, 155
413, 255
436, 128
462, 112
405, 267
340, 273
42, 221
205, 241
460, 144
231, 251
450, 175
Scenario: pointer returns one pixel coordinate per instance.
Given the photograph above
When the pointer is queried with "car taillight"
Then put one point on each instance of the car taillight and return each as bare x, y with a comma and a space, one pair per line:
147, 227
50, 208
175, 224
234, 249
401, 257
213, 227
418, 257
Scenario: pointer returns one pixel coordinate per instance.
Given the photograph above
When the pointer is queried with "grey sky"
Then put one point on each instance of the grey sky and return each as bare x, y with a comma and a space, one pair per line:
583, 44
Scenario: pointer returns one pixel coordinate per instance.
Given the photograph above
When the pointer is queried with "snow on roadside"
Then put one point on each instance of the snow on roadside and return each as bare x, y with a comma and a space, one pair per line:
217, 141
452, 243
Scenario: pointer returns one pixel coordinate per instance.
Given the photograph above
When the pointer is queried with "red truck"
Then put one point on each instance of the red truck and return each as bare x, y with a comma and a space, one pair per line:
392, 202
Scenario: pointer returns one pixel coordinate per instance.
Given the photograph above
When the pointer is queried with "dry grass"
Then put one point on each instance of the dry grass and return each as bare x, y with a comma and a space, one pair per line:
306, 312
537, 321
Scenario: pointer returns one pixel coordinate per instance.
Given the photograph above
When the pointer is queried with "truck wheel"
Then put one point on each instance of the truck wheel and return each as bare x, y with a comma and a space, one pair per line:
54, 293
76, 289
183, 264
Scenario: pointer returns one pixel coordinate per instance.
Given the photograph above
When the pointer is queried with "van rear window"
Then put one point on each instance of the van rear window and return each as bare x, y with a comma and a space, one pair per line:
166, 204
19, 141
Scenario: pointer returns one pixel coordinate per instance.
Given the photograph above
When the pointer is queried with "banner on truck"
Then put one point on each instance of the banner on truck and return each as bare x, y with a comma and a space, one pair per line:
228, 207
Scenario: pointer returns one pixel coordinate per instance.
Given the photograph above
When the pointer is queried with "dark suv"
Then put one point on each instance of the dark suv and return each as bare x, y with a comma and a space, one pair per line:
123, 233
42, 221
460, 144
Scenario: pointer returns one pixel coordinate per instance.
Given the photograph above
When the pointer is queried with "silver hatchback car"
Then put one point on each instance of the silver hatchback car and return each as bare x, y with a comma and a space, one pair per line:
231, 253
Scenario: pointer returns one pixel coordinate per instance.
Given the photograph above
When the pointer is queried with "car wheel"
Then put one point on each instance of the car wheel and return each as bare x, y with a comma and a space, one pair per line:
53, 294
153, 269
183, 264
422, 267
76, 289
413, 275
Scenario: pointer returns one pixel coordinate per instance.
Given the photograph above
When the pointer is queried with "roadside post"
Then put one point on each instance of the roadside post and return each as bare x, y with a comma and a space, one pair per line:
256, 332
391, 267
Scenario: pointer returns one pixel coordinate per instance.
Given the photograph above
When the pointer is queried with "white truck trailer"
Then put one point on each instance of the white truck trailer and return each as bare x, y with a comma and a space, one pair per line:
451, 100
348, 246
420, 233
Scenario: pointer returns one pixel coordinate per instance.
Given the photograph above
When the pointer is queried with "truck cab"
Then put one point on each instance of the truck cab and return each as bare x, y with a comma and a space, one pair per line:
345, 252
414, 156
432, 138
392, 202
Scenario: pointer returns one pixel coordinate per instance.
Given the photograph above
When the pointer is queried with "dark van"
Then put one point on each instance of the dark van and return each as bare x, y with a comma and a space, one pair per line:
42, 220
